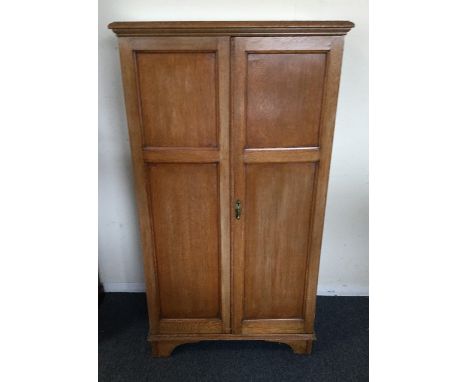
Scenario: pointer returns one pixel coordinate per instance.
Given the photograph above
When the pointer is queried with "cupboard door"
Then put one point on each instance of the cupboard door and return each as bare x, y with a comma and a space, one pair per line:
284, 101
177, 100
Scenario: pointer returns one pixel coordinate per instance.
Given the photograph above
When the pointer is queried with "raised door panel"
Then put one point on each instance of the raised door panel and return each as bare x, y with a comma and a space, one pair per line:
185, 216
177, 98
284, 100
284, 93
277, 212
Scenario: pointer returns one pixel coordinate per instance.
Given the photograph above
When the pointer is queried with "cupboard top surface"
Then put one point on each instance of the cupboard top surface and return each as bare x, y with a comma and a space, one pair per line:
231, 28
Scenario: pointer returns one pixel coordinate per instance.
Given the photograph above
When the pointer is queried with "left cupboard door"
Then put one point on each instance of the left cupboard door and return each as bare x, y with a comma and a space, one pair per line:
177, 103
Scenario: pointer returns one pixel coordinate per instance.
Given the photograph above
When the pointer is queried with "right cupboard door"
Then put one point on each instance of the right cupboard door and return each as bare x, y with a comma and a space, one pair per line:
283, 107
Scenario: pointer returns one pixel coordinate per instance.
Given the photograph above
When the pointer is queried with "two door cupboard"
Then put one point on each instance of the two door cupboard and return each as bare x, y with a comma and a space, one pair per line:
231, 128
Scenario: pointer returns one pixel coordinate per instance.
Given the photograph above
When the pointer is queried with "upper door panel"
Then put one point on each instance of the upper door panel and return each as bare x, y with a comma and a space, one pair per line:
178, 93
284, 93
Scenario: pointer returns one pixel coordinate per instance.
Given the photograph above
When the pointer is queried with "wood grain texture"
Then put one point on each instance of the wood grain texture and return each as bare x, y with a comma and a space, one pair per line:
165, 348
184, 204
164, 345
332, 82
231, 28
178, 98
224, 67
215, 116
282, 326
233, 337
139, 172
215, 255
190, 325
180, 155
284, 92
251, 286
278, 203
282, 155
238, 118
300, 347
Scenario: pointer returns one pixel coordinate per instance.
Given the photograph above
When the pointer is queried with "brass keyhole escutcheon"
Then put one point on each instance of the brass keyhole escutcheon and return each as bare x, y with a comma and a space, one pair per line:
238, 209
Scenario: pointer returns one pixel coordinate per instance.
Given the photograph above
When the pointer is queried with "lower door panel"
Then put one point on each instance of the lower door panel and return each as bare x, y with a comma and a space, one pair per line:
278, 206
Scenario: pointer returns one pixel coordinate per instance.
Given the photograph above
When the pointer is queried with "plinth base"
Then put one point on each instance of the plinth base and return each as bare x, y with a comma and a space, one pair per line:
163, 345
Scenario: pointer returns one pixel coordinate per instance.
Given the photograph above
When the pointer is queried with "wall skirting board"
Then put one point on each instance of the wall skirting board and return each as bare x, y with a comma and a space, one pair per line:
124, 287
346, 290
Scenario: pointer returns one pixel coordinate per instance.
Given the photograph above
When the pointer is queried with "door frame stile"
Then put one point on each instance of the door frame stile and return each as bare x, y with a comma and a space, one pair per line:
223, 60
238, 72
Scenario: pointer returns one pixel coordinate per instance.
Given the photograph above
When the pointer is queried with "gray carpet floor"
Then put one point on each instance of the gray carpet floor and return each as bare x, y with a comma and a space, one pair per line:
340, 354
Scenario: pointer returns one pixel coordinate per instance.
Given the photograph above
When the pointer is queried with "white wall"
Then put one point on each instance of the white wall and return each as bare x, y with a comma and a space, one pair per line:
344, 264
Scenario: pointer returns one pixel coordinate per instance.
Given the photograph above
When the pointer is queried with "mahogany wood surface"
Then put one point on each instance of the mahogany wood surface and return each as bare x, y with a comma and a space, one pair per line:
220, 112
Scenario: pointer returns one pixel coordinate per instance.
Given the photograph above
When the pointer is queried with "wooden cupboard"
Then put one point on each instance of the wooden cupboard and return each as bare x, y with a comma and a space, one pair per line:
231, 128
